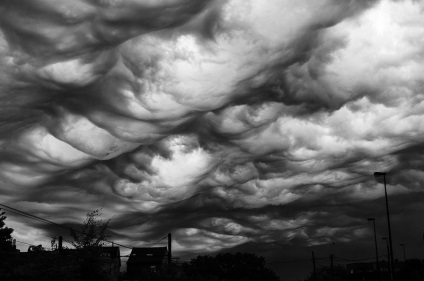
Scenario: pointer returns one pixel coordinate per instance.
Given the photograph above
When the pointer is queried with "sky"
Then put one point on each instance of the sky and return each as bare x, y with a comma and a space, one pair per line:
233, 124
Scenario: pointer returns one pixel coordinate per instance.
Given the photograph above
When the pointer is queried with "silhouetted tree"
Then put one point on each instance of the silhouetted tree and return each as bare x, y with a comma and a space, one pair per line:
92, 233
229, 267
6, 249
88, 241
5, 234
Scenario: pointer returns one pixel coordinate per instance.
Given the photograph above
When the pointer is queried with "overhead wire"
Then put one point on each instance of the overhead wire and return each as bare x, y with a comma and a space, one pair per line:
37, 218
340, 259
22, 213
40, 219
289, 261
24, 243
346, 259
157, 241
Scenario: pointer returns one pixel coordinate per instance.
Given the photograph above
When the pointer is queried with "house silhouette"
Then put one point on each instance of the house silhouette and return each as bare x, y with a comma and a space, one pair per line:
144, 262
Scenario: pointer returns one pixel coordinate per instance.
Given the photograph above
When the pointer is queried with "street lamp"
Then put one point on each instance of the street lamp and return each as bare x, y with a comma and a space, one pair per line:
389, 267
379, 174
376, 249
404, 256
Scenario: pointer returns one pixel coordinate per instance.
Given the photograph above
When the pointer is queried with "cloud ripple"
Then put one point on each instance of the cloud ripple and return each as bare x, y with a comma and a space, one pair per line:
220, 121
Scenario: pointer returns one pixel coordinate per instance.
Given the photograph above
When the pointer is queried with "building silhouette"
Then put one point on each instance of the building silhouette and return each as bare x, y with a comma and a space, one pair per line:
146, 262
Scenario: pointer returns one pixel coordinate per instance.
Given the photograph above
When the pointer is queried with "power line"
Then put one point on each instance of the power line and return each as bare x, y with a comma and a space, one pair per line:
344, 259
322, 259
24, 243
157, 241
37, 218
31, 216
291, 261
21, 213
114, 243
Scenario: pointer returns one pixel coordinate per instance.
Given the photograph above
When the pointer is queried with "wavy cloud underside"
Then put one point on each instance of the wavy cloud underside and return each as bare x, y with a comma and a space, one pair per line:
222, 122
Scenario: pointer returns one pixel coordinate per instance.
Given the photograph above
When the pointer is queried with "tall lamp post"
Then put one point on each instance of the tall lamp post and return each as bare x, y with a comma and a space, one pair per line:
379, 174
376, 249
389, 267
404, 255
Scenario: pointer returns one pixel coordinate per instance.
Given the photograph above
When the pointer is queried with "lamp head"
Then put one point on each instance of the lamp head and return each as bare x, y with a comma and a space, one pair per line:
379, 174
371, 219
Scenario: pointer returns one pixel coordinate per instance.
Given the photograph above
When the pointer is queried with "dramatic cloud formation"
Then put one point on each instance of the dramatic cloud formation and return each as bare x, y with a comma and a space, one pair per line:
223, 122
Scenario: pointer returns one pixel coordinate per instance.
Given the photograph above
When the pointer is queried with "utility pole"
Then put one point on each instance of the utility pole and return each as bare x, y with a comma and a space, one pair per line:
60, 243
315, 269
376, 250
378, 174
169, 252
389, 267
404, 255
331, 265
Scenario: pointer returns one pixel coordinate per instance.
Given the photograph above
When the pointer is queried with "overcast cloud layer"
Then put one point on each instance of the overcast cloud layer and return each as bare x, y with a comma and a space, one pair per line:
222, 122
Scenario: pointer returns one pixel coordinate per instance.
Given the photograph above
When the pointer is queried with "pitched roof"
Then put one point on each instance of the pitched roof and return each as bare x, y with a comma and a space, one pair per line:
147, 255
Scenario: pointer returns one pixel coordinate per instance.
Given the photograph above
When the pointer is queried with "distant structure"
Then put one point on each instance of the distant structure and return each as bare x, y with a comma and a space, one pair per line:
67, 262
362, 267
367, 271
9, 245
110, 258
144, 262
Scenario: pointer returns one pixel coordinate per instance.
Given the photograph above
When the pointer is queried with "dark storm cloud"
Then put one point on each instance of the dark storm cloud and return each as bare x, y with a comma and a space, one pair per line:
47, 28
219, 121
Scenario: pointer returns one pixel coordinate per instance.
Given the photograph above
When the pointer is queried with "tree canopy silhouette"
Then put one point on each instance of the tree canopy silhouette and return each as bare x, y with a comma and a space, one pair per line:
5, 233
88, 242
92, 233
